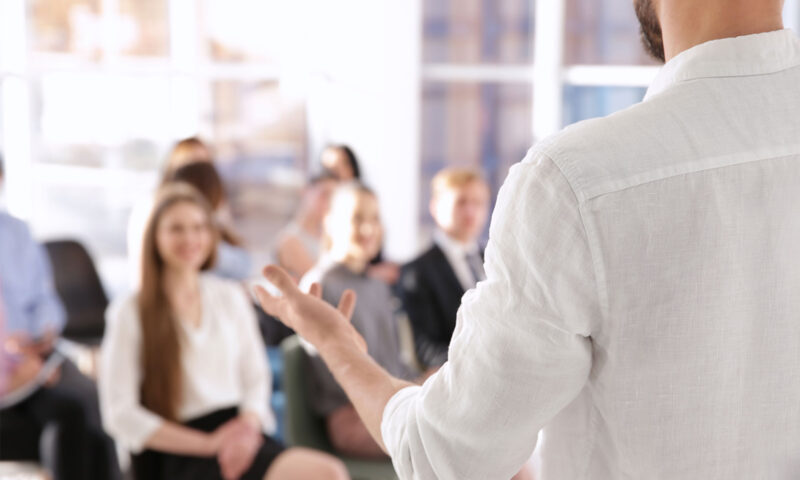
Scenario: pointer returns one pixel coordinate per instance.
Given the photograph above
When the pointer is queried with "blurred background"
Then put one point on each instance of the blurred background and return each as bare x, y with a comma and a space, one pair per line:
95, 92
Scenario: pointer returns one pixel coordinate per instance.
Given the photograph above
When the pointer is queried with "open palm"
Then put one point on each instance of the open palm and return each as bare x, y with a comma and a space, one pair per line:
307, 314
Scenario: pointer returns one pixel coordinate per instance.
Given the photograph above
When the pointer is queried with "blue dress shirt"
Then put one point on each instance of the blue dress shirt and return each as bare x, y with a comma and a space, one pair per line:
31, 304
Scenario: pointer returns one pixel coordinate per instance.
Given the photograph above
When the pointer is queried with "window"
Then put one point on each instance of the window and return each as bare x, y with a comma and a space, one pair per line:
480, 125
476, 94
108, 87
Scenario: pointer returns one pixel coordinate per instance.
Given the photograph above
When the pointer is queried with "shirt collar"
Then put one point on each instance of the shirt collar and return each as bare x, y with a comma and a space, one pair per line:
757, 54
451, 245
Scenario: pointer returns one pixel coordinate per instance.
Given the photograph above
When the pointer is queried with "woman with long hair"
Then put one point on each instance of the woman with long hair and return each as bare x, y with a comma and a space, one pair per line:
184, 383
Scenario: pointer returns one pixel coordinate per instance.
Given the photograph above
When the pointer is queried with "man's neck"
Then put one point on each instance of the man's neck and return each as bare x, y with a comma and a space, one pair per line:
687, 23
466, 243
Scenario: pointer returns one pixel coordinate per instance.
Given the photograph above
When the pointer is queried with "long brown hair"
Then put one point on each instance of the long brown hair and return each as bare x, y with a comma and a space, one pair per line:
161, 344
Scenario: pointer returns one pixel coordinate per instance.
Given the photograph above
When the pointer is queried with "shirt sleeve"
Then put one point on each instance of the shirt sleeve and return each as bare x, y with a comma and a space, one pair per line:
46, 310
120, 377
521, 349
255, 373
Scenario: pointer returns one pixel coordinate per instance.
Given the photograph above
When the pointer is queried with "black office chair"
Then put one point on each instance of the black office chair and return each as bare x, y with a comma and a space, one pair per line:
80, 290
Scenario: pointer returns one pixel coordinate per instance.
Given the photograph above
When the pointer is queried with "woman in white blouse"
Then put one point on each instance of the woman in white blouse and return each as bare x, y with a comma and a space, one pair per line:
184, 383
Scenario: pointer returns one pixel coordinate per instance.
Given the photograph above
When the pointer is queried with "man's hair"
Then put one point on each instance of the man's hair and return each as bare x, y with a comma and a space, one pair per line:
454, 178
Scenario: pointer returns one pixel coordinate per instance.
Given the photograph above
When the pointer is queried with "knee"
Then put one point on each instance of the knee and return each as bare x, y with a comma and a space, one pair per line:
334, 469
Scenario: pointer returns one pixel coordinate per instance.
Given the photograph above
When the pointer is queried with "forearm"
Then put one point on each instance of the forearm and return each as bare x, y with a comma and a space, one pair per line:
368, 386
177, 439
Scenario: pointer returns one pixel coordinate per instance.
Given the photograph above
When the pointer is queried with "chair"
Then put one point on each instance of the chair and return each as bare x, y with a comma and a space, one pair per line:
85, 301
305, 429
80, 290
19, 437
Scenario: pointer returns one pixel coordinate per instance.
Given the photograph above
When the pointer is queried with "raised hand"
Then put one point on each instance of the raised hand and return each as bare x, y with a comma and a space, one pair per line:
308, 315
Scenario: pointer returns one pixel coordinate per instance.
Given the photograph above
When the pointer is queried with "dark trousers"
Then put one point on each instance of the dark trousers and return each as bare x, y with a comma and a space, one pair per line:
79, 449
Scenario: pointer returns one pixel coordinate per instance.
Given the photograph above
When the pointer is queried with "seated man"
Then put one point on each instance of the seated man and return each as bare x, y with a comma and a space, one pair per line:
432, 285
41, 388
353, 235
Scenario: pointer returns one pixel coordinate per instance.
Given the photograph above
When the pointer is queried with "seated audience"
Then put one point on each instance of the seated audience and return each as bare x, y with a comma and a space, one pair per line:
184, 382
39, 385
353, 235
432, 285
298, 247
233, 261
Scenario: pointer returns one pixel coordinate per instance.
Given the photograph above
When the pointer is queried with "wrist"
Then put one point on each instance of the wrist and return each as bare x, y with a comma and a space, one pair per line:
252, 421
212, 443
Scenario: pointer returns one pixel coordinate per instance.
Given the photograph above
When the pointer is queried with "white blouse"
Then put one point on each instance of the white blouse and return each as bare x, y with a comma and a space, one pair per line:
223, 361
642, 294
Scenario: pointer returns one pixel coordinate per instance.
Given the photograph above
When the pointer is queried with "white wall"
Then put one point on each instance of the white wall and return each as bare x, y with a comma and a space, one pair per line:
791, 15
366, 94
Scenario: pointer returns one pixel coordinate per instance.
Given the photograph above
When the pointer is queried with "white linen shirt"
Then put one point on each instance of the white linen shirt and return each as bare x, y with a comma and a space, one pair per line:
642, 304
223, 364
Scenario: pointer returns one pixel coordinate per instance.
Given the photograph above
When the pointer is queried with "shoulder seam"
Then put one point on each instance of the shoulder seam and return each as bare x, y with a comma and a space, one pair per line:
597, 270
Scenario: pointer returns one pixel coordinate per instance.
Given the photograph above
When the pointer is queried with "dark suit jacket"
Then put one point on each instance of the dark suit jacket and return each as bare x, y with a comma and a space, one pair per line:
431, 295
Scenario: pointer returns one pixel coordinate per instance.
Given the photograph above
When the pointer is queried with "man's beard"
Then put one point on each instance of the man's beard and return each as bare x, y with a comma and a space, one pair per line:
650, 28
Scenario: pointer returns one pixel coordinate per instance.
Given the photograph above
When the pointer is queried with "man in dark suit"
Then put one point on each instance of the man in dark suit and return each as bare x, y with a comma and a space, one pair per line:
431, 286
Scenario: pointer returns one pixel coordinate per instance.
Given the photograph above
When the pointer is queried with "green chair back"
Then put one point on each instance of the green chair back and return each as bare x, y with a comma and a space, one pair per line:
305, 429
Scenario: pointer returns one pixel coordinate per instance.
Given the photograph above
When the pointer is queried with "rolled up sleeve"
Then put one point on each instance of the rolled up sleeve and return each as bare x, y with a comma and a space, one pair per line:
521, 350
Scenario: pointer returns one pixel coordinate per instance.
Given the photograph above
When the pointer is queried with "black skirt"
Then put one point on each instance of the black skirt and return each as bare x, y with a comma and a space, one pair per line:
153, 465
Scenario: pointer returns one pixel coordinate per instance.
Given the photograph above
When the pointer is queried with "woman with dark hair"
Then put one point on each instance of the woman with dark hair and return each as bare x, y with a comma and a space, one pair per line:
233, 261
184, 382
341, 161
186, 151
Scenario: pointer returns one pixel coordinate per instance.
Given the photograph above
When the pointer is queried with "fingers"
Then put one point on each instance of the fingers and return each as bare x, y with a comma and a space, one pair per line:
315, 290
347, 303
282, 280
270, 304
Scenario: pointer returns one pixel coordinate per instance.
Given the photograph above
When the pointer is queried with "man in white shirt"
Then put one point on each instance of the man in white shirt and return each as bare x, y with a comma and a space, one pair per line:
643, 284
431, 286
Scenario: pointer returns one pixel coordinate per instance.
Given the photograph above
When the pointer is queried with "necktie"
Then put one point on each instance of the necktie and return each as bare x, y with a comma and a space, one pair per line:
476, 266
